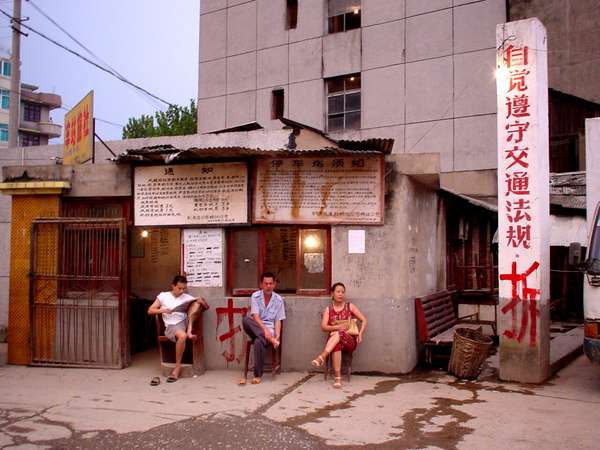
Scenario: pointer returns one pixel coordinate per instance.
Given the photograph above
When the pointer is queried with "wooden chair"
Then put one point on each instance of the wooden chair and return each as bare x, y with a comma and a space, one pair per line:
346, 362
274, 366
192, 362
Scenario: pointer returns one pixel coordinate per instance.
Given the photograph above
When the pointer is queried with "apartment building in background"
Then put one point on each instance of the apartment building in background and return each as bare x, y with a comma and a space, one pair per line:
35, 124
420, 72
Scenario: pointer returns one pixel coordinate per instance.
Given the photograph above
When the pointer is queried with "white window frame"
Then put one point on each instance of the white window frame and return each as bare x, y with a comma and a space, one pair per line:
345, 92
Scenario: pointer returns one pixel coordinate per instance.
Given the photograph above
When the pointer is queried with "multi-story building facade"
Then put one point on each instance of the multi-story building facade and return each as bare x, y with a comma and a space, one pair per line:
421, 72
35, 124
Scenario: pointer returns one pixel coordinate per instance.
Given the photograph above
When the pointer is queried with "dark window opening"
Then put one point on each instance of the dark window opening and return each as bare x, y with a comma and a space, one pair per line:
343, 15
472, 261
292, 14
564, 154
343, 103
31, 112
277, 104
566, 119
566, 287
299, 257
30, 139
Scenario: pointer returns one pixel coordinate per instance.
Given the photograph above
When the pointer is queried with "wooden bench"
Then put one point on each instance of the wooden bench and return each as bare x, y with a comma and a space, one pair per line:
437, 320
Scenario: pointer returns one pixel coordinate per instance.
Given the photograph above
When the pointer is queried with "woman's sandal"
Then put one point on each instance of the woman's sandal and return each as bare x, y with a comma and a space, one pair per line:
338, 382
318, 361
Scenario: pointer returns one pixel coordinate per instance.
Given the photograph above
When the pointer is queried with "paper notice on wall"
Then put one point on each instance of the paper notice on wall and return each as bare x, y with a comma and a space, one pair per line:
203, 257
356, 241
314, 262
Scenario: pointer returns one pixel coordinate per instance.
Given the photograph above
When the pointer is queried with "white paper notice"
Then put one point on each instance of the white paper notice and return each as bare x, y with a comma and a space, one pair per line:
356, 241
203, 257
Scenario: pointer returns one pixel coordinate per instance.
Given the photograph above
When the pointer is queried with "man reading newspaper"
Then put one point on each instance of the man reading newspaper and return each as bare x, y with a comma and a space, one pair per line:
179, 311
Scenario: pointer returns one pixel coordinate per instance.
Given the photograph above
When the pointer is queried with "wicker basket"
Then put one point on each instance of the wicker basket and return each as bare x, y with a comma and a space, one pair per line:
469, 350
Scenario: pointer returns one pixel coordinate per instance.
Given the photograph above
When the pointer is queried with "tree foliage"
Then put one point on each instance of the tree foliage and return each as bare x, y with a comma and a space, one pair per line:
175, 121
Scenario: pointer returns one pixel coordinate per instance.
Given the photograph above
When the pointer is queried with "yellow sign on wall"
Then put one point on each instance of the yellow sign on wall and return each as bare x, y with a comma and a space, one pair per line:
79, 131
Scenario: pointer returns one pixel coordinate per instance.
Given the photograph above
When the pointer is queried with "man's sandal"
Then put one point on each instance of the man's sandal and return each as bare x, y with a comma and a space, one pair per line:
256, 380
155, 381
242, 382
318, 361
338, 382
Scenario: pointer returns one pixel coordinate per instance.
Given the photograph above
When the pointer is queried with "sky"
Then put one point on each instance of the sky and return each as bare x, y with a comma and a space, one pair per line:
153, 43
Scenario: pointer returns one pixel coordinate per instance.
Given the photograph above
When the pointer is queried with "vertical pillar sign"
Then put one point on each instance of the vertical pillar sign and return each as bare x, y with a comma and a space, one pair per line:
523, 201
79, 132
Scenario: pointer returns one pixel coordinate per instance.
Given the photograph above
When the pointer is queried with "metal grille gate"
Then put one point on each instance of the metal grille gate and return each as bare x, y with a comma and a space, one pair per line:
77, 293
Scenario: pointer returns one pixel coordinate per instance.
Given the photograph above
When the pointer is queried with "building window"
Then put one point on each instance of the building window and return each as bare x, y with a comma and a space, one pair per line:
5, 98
343, 15
343, 103
32, 112
6, 69
29, 139
3, 132
277, 104
299, 257
292, 14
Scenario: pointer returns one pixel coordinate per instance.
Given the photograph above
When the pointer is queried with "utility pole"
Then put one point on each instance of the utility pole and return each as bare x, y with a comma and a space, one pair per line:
14, 113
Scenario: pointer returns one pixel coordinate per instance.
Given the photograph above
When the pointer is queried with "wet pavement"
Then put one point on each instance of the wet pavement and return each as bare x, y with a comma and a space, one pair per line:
88, 408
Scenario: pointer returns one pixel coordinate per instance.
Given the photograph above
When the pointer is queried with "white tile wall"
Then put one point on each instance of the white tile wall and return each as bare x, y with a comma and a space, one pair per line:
306, 102
429, 35
429, 90
306, 60
241, 108
241, 72
212, 78
475, 143
431, 137
383, 45
474, 83
272, 66
379, 11
241, 28
211, 114
381, 107
341, 53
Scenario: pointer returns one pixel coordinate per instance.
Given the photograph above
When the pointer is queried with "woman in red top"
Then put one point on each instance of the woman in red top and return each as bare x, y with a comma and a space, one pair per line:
339, 340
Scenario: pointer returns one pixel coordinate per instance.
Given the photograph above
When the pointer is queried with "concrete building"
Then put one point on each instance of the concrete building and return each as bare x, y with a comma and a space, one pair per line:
35, 124
344, 77
420, 72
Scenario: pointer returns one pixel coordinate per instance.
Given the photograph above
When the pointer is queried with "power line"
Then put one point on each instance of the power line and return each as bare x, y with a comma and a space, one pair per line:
89, 61
61, 28
66, 108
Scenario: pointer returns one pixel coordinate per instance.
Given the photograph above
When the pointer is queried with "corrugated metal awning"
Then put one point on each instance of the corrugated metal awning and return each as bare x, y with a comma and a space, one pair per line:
167, 154
489, 203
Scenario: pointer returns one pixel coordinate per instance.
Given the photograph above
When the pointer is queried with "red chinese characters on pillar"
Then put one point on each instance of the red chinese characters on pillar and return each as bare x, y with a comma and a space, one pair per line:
229, 335
522, 305
516, 56
516, 153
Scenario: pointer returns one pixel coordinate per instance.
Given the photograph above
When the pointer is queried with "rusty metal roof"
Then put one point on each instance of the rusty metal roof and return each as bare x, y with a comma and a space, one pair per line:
251, 140
167, 154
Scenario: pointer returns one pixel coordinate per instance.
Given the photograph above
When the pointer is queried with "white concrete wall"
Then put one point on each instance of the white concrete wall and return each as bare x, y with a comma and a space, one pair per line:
427, 71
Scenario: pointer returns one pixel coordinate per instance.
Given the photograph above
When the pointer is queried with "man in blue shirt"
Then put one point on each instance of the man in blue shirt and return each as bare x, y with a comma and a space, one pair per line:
263, 326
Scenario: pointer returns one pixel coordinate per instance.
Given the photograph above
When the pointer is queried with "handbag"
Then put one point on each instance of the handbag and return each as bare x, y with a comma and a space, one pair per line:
352, 329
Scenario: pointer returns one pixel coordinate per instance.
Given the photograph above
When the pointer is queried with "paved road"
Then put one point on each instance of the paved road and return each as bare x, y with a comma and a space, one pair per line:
74, 408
